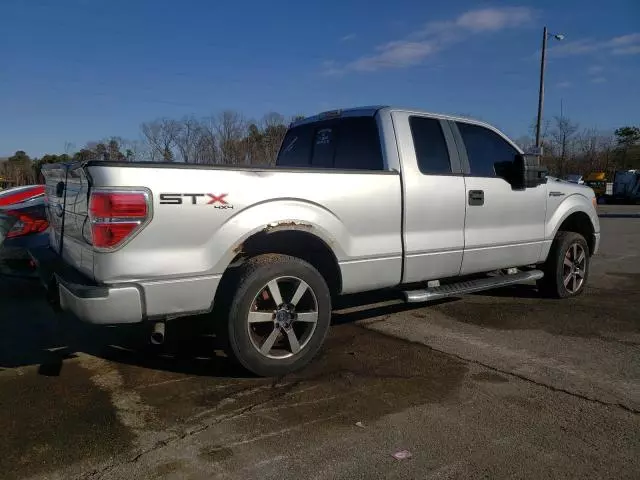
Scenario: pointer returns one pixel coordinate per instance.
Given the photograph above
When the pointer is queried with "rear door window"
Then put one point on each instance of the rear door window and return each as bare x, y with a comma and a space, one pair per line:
296, 148
324, 147
430, 146
343, 143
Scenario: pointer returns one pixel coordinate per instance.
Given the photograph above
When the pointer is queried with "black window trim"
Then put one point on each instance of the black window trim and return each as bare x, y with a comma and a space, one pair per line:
454, 158
462, 149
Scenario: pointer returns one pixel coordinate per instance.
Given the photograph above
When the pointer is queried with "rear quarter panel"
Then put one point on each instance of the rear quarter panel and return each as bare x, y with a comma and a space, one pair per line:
357, 214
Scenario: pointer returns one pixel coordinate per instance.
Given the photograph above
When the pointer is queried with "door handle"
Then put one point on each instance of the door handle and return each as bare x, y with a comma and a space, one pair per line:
476, 197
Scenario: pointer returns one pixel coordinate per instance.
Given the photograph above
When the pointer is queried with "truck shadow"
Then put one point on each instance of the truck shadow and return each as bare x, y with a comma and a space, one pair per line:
32, 334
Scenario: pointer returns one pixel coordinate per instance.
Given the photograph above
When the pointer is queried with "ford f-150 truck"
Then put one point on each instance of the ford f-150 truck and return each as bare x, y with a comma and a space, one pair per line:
360, 199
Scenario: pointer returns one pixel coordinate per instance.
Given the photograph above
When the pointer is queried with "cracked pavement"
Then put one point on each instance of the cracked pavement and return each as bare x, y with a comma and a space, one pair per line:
501, 384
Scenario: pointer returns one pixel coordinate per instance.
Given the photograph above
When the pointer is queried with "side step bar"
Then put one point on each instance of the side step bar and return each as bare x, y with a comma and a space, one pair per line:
470, 286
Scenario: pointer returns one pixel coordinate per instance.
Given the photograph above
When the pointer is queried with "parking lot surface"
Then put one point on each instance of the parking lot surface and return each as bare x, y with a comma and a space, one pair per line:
502, 384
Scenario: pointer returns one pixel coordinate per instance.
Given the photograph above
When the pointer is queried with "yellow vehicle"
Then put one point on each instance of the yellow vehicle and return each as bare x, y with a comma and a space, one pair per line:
598, 182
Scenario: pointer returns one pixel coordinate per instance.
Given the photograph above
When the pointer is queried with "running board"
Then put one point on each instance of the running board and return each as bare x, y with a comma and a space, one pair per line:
470, 286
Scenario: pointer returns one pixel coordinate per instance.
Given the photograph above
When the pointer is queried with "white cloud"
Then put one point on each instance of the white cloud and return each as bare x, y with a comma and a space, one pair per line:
630, 50
492, 19
598, 80
350, 36
632, 38
563, 85
395, 54
623, 45
576, 47
434, 37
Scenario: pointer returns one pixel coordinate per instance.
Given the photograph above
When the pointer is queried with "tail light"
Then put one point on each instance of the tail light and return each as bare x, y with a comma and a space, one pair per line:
116, 216
26, 225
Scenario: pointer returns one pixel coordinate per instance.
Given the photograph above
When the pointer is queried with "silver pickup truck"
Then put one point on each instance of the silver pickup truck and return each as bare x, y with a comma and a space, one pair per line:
361, 199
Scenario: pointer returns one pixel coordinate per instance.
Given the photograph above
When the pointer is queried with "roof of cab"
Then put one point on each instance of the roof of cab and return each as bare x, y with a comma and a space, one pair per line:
371, 110
366, 111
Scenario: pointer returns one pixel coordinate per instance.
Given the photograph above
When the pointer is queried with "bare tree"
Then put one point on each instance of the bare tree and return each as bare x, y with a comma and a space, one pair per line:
275, 129
587, 146
563, 138
230, 130
207, 146
187, 139
606, 147
161, 136
69, 148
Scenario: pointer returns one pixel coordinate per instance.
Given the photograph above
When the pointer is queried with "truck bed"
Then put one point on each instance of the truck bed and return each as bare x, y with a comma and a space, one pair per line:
202, 214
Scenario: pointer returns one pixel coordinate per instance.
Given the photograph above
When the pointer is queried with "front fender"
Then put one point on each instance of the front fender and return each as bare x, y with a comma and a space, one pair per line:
290, 214
572, 204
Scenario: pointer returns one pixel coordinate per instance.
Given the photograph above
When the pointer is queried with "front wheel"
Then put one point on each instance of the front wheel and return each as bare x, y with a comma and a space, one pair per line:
567, 267
279, 316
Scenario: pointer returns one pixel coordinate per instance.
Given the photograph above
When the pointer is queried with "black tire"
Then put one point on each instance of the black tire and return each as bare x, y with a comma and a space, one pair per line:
251, 284
555, 270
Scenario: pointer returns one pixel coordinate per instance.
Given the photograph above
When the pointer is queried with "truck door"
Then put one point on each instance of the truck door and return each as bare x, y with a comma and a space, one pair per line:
504, 227
433, 195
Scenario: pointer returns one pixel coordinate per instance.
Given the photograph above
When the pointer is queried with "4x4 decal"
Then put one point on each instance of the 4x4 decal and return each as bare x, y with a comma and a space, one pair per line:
215, 199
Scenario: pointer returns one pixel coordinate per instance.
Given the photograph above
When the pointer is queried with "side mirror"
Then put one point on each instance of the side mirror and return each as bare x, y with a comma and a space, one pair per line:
528, 171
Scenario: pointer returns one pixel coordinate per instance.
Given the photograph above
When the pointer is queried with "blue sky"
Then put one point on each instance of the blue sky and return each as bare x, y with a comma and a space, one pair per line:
82, 70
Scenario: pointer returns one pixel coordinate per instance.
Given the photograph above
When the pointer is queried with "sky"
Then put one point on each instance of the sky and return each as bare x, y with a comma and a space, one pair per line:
74, 71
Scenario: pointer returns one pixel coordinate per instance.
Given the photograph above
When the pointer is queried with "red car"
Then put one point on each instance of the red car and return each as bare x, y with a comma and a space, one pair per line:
20, 194
23, 226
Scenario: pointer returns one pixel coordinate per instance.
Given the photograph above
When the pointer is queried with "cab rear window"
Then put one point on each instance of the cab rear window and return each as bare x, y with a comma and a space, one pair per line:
343, 143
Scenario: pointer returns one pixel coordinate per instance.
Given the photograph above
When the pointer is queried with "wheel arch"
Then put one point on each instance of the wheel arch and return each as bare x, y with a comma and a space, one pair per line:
579, 222
575, 214
298, 242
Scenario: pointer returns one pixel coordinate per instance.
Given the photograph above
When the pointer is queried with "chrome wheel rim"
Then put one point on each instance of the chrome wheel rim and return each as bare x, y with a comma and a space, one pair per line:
574, 267
282, 317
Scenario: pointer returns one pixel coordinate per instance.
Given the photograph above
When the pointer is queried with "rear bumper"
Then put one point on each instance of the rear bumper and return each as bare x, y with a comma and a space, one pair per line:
89, 301
101, 304
123, 302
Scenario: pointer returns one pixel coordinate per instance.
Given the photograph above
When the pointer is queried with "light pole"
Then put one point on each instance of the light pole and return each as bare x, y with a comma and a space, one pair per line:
545, 34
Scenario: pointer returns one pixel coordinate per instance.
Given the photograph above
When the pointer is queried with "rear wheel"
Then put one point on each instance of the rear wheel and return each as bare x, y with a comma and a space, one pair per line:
567, 267
279, 316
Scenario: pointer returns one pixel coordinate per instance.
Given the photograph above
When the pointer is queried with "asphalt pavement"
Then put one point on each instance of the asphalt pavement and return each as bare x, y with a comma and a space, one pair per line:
502, 384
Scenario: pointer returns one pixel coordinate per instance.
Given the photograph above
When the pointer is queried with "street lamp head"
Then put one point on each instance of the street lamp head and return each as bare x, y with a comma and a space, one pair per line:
559, 37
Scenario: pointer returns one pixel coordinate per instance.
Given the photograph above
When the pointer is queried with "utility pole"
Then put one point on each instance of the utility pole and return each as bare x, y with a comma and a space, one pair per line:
545, 35
541, 90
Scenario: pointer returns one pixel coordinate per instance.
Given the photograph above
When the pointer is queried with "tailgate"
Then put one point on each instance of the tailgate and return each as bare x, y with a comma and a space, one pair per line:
66, 197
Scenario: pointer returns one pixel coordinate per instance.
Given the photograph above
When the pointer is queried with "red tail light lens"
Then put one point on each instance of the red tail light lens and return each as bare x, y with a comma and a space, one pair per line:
116, 216
109, 235
118, 205
26, 225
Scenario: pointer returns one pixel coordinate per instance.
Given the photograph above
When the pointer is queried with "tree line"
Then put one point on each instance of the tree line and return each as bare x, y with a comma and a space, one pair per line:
228, 138
567, 149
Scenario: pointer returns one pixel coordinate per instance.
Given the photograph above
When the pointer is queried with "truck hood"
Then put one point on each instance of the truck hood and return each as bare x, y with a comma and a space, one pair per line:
569, 188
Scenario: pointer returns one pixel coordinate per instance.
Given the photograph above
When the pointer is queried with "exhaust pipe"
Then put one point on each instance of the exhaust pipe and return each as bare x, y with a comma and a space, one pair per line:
157, 334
